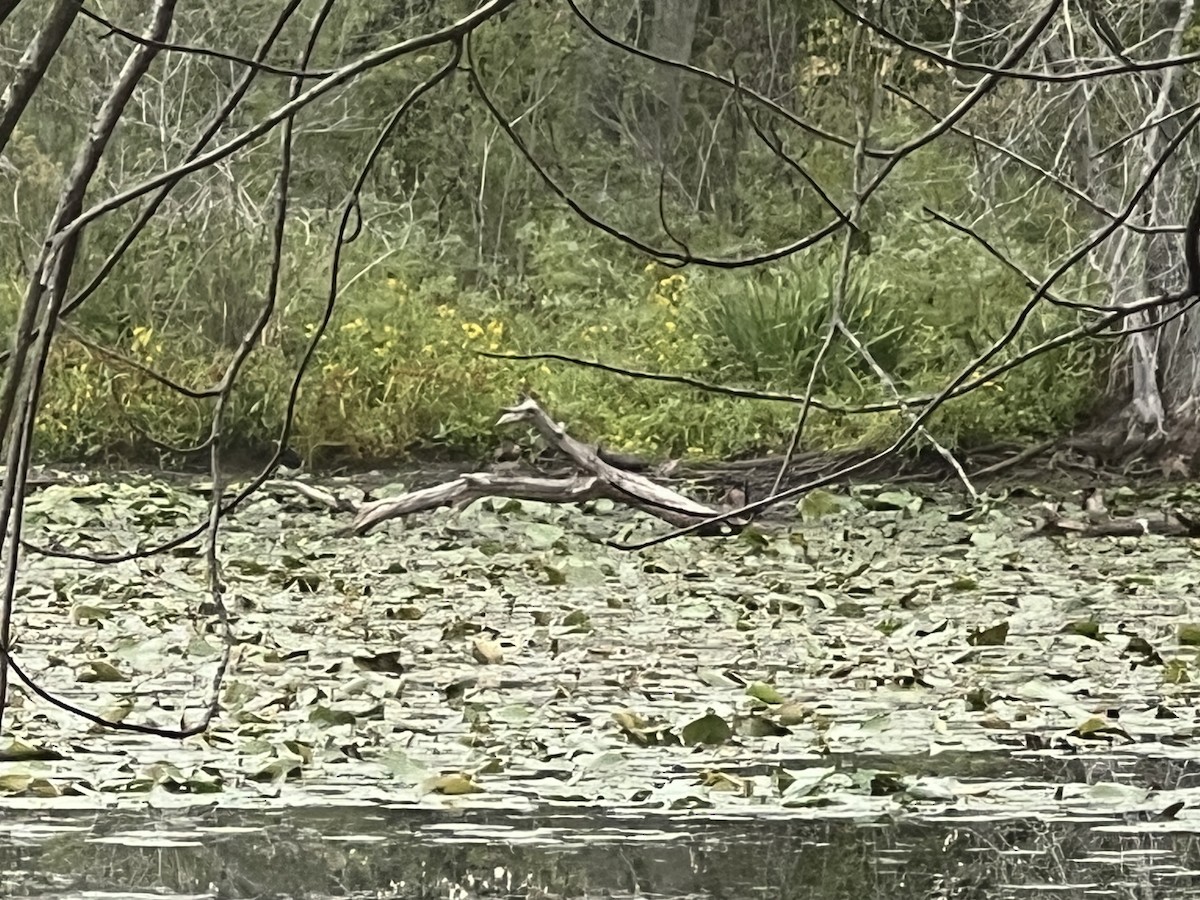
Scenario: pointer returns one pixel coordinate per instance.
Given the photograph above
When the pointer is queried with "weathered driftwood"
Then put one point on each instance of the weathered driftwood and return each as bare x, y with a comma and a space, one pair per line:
1173, 523
597, 479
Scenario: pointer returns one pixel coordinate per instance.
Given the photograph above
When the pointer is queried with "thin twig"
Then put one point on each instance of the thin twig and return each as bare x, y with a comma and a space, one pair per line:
863, 109
452, 33
253, 63
43, 300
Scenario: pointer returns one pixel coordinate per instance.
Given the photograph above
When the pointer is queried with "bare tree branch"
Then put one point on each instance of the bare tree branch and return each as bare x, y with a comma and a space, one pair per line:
342, 238
892, 159
1060, 183
1127, 67
43, 299
255, 63
716, 78
863, 99
964, 376
450, 34
1191, 247
7, 7
152, 206
34, 62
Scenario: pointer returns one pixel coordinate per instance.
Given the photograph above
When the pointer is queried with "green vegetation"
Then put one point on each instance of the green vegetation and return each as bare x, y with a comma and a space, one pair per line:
463, 248
398, 370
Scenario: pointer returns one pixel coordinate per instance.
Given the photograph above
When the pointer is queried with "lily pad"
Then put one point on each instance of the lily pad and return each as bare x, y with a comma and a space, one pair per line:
708, 729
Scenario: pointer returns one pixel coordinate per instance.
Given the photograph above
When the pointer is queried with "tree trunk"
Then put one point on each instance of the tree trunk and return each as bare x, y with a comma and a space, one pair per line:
34, 62
1158, 367
671, 36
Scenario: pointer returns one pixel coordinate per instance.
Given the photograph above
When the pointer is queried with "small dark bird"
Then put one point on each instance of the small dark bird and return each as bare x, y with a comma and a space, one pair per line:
507, 451
290, 460
1094, 508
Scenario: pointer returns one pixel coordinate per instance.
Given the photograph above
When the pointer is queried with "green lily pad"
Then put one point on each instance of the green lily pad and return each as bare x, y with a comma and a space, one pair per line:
708, 729
761, 690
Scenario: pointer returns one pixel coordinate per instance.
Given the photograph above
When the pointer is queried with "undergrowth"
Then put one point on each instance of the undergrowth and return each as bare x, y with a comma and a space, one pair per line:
458, 247
398, 371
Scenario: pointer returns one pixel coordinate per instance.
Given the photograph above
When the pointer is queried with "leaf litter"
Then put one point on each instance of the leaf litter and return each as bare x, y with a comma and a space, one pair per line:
884, 652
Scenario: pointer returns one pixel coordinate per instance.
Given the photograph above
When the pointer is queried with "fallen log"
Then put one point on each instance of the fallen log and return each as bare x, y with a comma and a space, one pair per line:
597, 478
1173, 523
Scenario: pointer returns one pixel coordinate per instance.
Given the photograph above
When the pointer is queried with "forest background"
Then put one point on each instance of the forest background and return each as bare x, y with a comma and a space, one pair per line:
463, 244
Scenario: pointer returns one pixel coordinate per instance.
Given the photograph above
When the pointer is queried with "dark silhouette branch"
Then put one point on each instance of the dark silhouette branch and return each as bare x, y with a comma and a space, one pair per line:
254, 63
670, 257
449, 34
716, 78
7, 661
773, 143
7, 7
342, 237
1140, 130
1104, 233
837, 297
950, 390
129, 362
1043, 173
696, 383
1191, 246
1074, 76
890, 161
1005, 260
43, 299
153, 205
34, 62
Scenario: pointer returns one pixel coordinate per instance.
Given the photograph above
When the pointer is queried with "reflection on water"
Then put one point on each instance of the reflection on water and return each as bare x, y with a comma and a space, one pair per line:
372, 852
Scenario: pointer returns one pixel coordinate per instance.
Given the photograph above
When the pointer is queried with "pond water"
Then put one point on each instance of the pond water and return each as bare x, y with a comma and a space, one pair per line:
881, 695
380, 852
